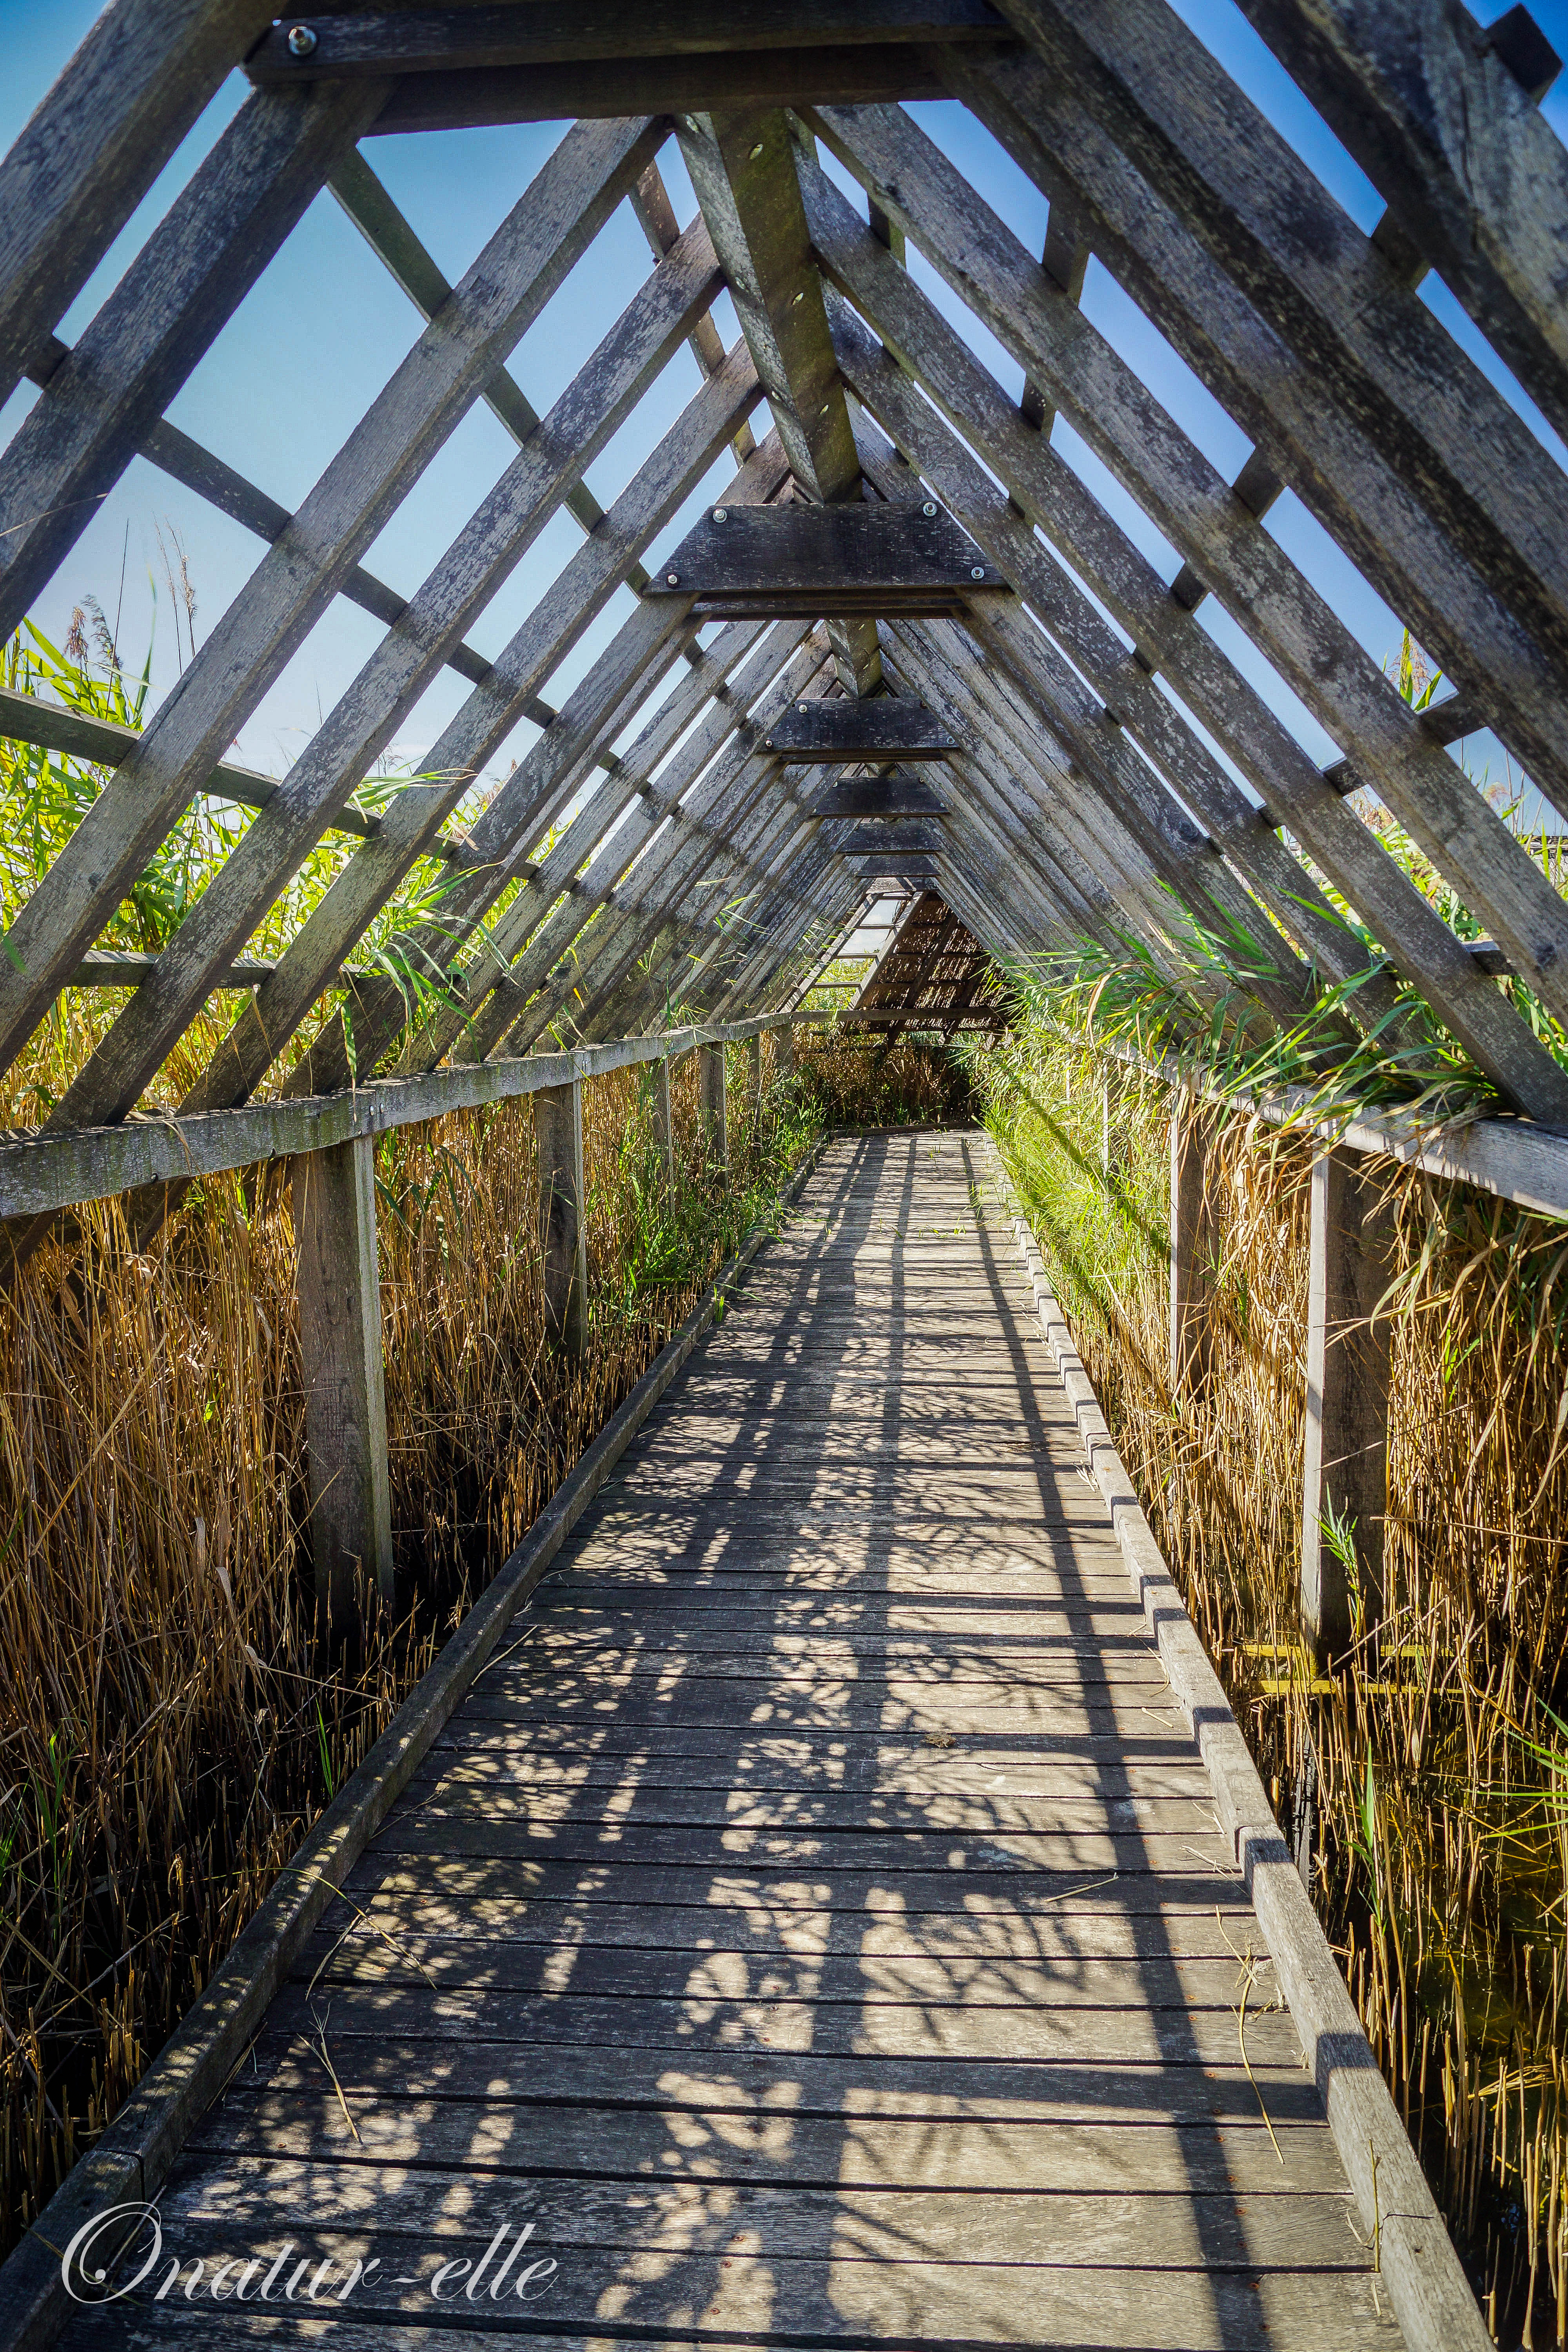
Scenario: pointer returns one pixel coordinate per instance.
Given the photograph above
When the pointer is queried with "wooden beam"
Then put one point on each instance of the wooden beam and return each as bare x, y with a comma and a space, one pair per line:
489, 39
94, 146
822, 560
1192, 1252
1344, 1488
338, 1283
675, 86
563, 1226
714, 1093
743, 166
904, 840
663, 1120
1437, 114
363, 721
1414, 934
882, 726
900, 794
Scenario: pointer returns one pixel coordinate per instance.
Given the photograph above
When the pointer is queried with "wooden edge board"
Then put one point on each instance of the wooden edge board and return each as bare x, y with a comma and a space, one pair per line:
40, 1173
136, 2155
1416, 2261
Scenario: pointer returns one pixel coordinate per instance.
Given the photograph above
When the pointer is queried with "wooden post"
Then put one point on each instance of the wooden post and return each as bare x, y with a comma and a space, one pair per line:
1189, 1256
339, 1280
663, 1122
784, 1051
563, 1245
1345, 1461
755, 1067
715, 1108
1111, 1104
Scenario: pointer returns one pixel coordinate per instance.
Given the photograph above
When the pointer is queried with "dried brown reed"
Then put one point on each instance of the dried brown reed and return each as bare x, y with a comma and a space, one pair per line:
171, 1724
865, 1081
1431, 1777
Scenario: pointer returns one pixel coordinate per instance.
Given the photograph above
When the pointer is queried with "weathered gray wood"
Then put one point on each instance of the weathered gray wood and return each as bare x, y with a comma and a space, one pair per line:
742, 168
562, 1227
506, 285
1420, 470
493, 36
339, 1285
1191, 1260
192, 273
714, 1095
882, 726
1215, 526
813, 560
664, 1120
878, 71
359, 727
94, 146
1475, 178
1414, 934
1344, 1474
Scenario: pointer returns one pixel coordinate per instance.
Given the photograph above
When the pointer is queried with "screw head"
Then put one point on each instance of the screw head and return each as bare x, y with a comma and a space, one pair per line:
928, 508
800, 705
977, 571
756, 151
720, 514
301, 41
672, 579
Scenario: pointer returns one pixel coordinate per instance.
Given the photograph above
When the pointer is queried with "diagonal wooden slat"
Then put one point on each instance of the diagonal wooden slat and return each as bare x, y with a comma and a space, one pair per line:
1356, 394
1218, 531
508, 285
1475, 179
362, 724
105, 396
94, 147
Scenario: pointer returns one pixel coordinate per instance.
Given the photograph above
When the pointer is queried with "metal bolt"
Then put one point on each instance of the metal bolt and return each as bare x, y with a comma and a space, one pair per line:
800, 705
672, 579
769, 745
720, 514
756, 151
799, 298
302, 40
977, 571
928, 508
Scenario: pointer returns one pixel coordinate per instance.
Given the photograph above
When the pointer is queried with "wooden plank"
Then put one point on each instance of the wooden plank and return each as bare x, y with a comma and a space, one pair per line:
897, 796
882, 726
828, 558
93, 147
877, 71
493, 37
506, 285
1477, 181
339, 1285
563, 1214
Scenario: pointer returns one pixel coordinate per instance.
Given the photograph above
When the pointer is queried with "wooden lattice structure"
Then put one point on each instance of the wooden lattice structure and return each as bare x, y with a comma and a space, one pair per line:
1077, 756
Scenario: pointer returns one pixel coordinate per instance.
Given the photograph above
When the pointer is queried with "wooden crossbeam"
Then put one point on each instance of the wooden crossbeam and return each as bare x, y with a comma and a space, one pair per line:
900, 794
815, 561
903, 840
493, 38
882, 726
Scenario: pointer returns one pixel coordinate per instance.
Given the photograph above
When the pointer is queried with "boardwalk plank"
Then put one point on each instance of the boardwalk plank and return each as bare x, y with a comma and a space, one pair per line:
814, 1928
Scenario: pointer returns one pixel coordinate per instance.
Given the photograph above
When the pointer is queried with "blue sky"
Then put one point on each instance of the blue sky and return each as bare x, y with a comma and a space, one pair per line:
317, 338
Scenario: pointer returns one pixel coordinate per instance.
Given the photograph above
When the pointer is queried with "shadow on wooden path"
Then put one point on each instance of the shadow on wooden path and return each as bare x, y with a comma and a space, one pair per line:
814, 1929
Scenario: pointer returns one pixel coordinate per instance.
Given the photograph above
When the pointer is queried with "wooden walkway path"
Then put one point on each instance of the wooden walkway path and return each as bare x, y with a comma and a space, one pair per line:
816, 1927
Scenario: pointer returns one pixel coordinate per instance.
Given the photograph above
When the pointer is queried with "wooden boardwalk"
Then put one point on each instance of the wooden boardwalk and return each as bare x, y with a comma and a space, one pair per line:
815, 1924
